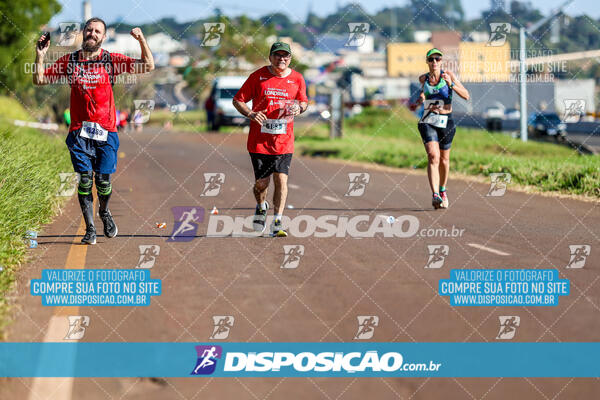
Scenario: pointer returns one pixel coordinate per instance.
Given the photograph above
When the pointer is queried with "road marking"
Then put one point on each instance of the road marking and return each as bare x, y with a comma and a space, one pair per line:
292, 186
335, 200
61, 388
482, 247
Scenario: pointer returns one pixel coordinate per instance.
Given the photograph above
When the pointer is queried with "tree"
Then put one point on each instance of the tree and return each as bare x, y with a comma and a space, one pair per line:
19, 29
524, 12
244, 39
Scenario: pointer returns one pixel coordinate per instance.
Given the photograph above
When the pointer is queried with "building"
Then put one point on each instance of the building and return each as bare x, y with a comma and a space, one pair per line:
478, 62
407, 59
159, 43
541, 96
471, 61
368, 88
331, 43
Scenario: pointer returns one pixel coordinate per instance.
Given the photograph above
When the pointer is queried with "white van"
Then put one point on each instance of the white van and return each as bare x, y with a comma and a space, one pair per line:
223, 90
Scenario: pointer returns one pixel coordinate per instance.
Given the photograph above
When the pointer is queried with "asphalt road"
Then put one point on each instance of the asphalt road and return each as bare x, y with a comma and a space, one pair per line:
337, 279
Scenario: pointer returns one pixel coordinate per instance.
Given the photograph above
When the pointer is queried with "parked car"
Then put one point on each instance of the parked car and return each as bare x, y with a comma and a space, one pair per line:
547, 124
493, 118
512, 114
220, 100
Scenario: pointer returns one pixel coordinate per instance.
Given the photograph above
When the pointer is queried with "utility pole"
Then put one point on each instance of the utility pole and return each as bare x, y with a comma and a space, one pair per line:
523, 83
523, 32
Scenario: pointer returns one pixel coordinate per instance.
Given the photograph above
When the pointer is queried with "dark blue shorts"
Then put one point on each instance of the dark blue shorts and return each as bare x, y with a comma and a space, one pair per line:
93, 155
443, 136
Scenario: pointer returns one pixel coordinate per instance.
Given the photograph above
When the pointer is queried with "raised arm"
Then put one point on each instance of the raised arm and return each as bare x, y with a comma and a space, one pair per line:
146, 63
39, 78
456, 85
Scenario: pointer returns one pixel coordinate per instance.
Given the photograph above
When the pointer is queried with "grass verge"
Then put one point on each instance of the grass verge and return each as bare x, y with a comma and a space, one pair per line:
193, 121
29, 183
390, 137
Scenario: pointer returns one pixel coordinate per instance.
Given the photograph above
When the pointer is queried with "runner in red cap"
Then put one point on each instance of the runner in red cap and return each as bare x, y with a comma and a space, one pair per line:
278, 93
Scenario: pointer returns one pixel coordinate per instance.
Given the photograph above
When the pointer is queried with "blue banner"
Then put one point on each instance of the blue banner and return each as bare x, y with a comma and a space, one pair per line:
504, 287
95, 287
366, 359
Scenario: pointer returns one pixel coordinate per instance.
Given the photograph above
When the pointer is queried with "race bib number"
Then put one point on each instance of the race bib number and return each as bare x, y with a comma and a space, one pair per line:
93, 130
274, 126
437, 120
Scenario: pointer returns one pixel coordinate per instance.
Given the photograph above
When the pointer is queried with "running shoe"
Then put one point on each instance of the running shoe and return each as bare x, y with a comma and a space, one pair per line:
436, 201
277, 230
260, 218
110, 228
445, 202
90, 236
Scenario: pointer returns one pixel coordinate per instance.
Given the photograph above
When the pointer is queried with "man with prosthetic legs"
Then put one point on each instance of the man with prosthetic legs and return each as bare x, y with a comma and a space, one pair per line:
92, 140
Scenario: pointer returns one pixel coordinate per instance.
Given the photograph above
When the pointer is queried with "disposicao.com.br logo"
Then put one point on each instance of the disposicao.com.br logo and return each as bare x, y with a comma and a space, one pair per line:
326, 226
326, 363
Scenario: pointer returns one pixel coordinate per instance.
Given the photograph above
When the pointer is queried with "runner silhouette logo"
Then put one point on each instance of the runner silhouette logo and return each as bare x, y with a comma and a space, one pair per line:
185, 224
508, 327
143, 108
358, 33
579, 254
208, 357
437, 255
499, 31
68, 183
499, 183
148, 254
212, 183
358, 183
366, 326
77, 325
292, 255
222, 326
212, 33
67, 33
574, 110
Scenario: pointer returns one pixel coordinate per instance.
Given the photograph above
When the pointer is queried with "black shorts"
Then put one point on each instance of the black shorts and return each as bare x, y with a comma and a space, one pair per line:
265, 164
443, 136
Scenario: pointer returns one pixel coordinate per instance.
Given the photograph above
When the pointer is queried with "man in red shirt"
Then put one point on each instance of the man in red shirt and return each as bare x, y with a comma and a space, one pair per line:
278, 93
92, 140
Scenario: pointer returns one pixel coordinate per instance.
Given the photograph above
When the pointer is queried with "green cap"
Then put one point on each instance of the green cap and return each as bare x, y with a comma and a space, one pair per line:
434, 51
277, 46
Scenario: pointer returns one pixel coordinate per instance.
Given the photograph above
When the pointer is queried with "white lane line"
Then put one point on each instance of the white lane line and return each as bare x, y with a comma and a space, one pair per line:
292, 186
482, 247
61, 388
335, 200
54, 388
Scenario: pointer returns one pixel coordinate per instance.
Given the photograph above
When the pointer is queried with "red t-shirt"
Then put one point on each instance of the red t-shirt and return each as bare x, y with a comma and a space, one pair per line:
273, 93
92, 96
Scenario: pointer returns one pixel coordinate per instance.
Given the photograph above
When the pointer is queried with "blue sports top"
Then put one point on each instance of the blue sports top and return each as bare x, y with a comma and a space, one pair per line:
441, 91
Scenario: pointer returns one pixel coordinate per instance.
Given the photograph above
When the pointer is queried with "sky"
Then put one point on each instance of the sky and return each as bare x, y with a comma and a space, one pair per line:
144, 11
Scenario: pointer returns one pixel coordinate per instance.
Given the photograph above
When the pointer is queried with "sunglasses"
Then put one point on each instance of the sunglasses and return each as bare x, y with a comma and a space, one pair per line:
431, 59
287, 56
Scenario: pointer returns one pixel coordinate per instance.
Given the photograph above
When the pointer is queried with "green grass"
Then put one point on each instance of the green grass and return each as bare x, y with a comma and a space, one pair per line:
391, 138
29, 181
12, 109
193, 121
